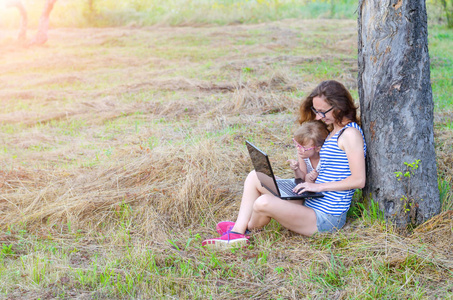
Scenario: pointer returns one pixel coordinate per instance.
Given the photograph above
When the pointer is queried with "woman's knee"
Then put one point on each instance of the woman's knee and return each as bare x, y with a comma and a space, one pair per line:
262, 204
251, 177
252, 180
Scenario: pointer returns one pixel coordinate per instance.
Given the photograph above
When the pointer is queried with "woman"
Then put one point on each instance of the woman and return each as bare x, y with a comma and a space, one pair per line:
342, 171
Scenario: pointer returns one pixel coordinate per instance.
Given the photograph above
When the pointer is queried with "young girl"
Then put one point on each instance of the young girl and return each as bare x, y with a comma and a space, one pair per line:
308, 139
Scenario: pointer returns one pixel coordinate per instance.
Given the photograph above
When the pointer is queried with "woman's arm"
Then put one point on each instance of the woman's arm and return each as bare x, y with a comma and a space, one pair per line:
351, 142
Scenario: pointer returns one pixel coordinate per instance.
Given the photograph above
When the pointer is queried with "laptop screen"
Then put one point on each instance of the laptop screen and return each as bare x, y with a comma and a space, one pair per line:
262, 167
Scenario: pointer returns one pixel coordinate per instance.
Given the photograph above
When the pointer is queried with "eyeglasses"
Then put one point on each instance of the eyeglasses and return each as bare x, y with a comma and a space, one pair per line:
322, 114
302, 148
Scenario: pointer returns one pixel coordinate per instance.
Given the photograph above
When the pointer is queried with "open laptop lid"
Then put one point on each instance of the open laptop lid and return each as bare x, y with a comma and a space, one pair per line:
266, 176
263, 169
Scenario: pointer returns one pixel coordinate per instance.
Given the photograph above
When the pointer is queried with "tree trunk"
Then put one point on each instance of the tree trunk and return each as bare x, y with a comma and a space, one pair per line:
43, 27
23, 18
397, 109
448, 12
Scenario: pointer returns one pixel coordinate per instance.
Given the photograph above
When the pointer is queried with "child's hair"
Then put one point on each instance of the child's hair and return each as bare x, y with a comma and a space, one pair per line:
311, 131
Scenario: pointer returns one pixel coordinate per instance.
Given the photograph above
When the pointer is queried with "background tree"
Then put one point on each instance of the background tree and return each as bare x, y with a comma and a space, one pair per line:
43, 27
22, 36
448, 8
397, 109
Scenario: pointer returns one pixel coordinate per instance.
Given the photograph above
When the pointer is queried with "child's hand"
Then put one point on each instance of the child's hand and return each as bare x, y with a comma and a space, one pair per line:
293, 164
300, 155
311, 177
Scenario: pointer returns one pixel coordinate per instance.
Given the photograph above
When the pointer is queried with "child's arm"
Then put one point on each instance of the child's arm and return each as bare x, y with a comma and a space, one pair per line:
311, 177
300, 169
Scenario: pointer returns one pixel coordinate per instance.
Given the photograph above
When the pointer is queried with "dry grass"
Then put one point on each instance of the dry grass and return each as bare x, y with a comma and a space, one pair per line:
121, 149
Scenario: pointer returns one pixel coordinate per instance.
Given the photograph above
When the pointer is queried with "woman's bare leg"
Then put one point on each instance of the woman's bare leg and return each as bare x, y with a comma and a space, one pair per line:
290, 214
252, 190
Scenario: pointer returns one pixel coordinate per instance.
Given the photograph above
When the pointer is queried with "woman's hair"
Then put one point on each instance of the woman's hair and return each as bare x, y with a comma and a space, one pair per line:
311, 131
336, 95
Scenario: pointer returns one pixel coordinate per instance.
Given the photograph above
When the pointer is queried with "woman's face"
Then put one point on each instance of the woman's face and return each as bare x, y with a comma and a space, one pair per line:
323, 110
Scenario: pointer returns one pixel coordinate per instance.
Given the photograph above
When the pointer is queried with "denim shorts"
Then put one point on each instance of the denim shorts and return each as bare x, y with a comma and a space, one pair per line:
329, 223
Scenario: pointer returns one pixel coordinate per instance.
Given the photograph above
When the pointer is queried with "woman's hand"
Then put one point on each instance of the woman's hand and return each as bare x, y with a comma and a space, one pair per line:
307, 187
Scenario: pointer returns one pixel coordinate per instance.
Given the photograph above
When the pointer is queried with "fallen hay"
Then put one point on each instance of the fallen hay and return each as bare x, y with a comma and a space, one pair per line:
187, 191
437, 232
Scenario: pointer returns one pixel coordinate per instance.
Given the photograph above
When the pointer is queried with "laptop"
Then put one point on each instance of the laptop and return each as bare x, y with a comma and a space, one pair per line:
282, 188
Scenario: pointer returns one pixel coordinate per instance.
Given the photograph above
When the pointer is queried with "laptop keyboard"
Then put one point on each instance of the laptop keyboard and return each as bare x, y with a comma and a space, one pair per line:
287, 186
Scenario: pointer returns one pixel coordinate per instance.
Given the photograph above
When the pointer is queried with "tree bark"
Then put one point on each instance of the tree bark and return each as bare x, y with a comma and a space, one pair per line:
397, 109
23, 18
43, 27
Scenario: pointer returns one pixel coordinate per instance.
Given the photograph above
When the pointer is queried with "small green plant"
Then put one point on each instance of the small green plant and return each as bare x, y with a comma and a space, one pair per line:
39, 269
108, 152
195, 237
371, 212
6, 250
410, 170
69, 225
247, 70
405, 177
262, 257
445, 193
330, 276
367, 211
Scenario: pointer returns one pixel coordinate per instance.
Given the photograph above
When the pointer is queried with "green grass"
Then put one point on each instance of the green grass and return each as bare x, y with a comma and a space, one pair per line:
180, 12
441, 66
321, 69
180, 268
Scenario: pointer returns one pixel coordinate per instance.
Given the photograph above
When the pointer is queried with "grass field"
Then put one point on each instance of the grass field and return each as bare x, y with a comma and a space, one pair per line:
107, 13
121, 148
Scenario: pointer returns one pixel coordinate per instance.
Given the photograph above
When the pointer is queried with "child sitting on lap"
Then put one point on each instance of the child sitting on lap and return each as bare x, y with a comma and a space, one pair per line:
308, 139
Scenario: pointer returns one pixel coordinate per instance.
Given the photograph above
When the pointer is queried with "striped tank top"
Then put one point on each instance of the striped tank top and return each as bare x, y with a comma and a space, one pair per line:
334, 167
